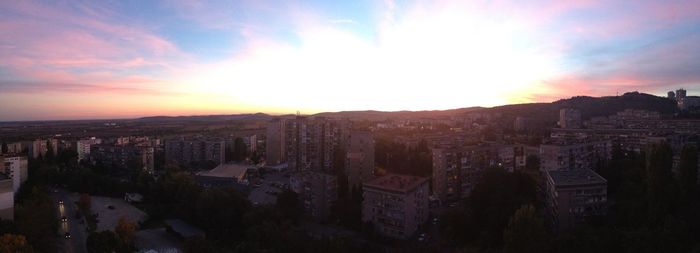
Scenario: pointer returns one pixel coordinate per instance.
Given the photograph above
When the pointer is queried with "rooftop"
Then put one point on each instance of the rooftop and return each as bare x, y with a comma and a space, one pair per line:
231, 170
575, 177
396, 182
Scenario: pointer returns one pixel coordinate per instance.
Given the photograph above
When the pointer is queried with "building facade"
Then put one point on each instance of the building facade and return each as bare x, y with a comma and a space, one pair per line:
83, 147
396, 204
565, 156
311, 144
184, 152
7, 198
39, 147
123, 157
457, 169
15, 148
275, 148
359, 162
317, 192
15, 168
569, 118
573, 196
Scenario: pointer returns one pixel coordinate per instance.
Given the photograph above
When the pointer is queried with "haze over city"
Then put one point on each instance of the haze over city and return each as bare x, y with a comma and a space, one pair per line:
125, 59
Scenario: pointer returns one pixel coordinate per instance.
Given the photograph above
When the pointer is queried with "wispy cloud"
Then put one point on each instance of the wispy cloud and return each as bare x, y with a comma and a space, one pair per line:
361, 55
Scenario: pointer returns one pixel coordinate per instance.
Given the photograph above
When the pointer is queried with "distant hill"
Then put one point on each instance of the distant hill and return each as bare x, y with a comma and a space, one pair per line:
589, 106
546, 112
381, 115
207, 118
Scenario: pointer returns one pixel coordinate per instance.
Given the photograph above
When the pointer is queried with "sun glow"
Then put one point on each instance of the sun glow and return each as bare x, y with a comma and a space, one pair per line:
423, 62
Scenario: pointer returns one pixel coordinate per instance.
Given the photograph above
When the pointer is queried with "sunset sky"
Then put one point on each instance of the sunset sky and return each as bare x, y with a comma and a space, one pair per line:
120, 59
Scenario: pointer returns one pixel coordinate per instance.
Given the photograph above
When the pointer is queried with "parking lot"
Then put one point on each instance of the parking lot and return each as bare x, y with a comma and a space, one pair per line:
109, 211
265, 190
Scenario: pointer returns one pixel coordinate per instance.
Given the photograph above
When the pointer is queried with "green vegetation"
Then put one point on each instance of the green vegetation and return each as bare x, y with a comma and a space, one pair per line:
652, 209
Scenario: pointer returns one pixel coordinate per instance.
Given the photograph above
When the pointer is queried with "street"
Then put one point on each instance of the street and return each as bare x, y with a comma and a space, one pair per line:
68, 209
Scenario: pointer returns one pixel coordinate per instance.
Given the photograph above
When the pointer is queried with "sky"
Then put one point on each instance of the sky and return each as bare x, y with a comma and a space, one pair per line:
122, 59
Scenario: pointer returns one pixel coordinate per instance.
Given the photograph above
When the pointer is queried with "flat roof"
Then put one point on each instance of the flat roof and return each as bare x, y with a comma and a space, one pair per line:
396, 182
575, 177
231, 170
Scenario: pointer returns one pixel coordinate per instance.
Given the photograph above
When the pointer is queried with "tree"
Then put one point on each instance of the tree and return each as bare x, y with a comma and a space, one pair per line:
491, 203
689, 172
525, 232
35, 218
11, 243
102, 242
240, 150
197, 244
289, 202
532, 163
49, 152
125, 230
4, 148
660, 185
219, 212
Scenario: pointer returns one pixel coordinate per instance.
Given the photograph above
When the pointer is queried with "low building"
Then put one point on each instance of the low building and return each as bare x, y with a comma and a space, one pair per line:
7, 198
574, 196
396, 204
224, 175
317, 192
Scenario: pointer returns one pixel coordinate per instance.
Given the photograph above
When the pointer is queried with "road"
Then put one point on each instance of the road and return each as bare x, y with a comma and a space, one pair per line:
76, 244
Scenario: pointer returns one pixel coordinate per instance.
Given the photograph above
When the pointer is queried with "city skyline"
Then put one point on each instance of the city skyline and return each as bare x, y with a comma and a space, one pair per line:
76, 60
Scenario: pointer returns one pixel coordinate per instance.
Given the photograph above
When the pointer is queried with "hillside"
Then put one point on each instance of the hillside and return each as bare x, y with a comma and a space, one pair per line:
589, 106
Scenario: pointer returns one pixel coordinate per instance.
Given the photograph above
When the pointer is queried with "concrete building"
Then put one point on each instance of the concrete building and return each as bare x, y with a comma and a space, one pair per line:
396, 204
15, 148
122, 157
680, 94
7, 198
317, 192
275, 150
569, 118
359, 162
574, 156
686, 102
16, 168
187, 151
251, 142
456, 170
311, 144
40, 147
574, 196
83, 147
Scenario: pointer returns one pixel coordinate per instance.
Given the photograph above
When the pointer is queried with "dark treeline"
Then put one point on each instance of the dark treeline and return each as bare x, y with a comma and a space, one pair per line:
398, 158
652, 208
